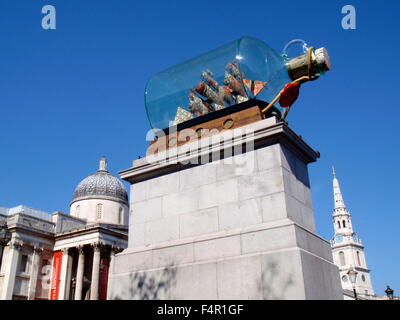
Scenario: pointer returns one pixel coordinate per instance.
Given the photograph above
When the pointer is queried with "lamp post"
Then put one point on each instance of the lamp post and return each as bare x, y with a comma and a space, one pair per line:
389, 292
352, 273
5, 237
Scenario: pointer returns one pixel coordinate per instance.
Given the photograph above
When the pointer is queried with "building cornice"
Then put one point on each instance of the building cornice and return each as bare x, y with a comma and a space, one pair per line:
30, 225
346, 268
90, 229
351, 244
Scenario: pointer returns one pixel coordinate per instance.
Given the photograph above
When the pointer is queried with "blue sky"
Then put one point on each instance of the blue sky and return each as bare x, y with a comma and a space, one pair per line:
70, 95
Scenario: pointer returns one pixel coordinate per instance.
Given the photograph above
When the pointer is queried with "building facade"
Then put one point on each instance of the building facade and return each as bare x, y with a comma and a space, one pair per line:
62, 256
347, 249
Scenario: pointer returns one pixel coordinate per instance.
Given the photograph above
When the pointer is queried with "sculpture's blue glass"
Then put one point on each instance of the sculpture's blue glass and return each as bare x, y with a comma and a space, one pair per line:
235, 72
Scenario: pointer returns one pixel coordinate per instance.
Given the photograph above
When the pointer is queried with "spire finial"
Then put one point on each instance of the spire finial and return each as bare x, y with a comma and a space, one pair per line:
103, 164
334, 172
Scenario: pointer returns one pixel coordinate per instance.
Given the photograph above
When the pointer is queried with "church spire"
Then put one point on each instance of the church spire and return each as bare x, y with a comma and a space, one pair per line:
347, 248
341, 217
103, 164
337, 194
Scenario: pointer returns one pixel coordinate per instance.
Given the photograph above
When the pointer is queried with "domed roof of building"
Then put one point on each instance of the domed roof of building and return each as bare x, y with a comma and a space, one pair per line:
101, 185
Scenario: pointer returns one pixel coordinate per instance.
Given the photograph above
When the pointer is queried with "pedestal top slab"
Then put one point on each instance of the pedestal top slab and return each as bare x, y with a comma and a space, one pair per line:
255, 135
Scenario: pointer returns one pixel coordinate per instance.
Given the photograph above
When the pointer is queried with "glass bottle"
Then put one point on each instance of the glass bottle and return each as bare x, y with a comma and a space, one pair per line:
234, 73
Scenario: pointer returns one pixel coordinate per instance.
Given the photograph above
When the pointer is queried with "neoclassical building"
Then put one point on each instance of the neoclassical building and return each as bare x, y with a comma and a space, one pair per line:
347, 248
60, 256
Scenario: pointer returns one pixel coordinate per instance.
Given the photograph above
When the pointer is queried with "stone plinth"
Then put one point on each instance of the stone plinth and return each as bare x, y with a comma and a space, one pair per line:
241, 227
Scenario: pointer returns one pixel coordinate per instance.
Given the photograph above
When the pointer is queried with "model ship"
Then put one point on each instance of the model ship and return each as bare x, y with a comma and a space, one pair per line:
209, 95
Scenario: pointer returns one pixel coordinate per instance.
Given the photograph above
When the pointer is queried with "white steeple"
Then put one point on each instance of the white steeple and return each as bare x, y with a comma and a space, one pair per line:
339, 202
347, 248
341, 217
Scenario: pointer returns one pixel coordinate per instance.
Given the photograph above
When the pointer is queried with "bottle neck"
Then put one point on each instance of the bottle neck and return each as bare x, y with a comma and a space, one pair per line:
298, 67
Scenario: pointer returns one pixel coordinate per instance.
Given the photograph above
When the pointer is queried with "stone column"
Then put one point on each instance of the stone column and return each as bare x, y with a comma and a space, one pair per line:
37, 251
94, 288
64, 274
79, 274
11, 270
1, 254
69, 276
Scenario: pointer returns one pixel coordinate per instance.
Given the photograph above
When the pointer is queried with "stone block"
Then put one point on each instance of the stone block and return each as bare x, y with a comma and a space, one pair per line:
217, 248
138, 192
261, 184
143, 285
240, 214
302, 173
276, 238
294, 165
274, 207
198, 176
136, 235
198, 223
269, 157
288, 159
162, 230
300, 213
307, 217
218, 193
308, 198
281, 277
163, 185
179, 203
293, 186
239, 278
143, 260
147, 210
322, 278
196, 282
174, 255
313, 244
237, 165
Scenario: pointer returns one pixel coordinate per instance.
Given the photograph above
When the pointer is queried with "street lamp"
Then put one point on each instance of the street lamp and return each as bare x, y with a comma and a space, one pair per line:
389, 292
352, 273
5, 237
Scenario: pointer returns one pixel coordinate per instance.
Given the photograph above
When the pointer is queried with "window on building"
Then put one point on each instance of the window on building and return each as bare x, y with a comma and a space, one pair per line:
344, 224
23, 263
338, 223
99, 211
358, 258
120, 215
363, 278
77, 211
341, 258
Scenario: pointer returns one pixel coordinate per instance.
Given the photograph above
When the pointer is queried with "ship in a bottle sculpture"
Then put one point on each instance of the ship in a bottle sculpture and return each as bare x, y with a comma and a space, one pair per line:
234, 77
